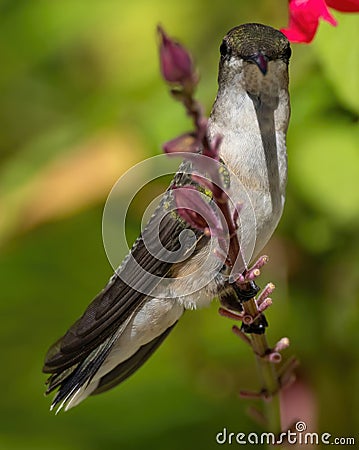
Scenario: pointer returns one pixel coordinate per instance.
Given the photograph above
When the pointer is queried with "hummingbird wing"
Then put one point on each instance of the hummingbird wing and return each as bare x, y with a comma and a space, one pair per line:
76, 383
127, 289
76, 357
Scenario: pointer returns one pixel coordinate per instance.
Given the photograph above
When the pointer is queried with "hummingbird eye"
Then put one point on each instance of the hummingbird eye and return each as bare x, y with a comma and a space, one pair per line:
287, 53
224, 48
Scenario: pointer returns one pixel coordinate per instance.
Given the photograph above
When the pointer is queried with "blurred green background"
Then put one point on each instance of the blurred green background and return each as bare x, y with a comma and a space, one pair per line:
81, 101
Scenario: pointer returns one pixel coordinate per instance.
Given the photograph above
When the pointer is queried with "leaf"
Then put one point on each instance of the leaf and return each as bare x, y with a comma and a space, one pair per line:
326, 170
337, 50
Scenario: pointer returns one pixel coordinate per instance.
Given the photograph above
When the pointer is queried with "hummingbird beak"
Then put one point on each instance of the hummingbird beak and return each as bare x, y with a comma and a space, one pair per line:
260, 60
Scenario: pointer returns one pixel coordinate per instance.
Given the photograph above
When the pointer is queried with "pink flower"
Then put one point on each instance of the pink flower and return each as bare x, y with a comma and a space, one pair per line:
176, 63
344, 5
304, 16
198, 213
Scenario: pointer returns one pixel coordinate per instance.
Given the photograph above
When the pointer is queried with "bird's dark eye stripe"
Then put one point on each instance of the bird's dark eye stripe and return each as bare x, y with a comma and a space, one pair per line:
224, 48
287, 52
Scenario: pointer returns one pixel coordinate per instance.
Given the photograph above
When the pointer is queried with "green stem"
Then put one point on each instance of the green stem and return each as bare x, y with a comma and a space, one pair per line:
267, 372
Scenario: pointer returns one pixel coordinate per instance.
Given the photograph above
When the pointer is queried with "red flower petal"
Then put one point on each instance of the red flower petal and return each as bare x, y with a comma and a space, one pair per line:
304, 18
344, 5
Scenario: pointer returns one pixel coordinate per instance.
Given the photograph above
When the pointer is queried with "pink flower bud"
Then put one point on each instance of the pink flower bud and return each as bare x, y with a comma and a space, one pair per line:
265, 304
281, 345
176, 63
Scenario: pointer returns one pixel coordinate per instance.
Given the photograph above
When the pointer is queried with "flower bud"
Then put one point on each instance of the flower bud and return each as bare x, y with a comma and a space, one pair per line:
176, 63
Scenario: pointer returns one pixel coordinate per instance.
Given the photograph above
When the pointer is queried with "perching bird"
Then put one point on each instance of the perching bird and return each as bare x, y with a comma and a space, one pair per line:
150, 291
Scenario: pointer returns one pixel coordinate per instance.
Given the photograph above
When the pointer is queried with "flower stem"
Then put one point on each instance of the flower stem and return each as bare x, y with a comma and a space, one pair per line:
267, 371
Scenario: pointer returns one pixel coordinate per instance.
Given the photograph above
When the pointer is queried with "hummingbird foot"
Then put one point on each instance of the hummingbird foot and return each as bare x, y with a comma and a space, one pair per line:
246, 290
239, 303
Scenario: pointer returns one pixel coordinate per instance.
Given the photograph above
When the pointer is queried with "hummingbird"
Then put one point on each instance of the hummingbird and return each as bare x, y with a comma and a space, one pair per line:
149, 292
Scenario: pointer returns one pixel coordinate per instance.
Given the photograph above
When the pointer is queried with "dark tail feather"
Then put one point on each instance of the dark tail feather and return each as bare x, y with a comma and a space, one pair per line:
74, 378
70, 380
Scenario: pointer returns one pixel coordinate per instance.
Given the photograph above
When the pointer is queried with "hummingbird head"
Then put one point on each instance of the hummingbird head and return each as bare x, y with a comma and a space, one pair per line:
256, 56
